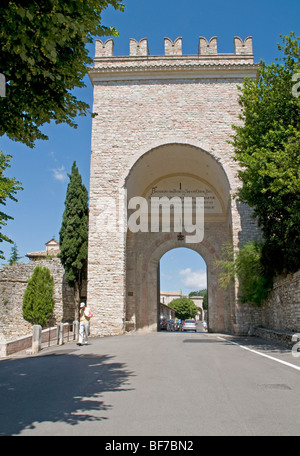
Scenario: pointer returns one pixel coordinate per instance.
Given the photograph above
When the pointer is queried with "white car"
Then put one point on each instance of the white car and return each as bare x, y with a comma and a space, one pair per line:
189, 325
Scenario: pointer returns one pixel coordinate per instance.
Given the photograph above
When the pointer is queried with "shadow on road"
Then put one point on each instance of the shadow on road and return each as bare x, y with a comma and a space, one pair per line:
252, 342
256, 343
201, 341
57, 387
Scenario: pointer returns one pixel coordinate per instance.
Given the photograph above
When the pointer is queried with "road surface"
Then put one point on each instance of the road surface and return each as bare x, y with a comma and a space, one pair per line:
159, 384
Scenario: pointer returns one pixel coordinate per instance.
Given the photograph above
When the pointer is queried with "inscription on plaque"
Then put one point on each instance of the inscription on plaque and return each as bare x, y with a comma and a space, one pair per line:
186, 187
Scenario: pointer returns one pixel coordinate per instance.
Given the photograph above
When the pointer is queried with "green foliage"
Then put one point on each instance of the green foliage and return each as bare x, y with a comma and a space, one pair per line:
197, 293
14, 257
185, 308
74, 229
43, 58
227, 266
247, 266
8, 188
254, 284
267, 148
38, 303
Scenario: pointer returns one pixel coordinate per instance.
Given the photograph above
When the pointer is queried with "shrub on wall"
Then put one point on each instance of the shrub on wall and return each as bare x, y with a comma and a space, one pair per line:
254, 283
247, 267
38, 302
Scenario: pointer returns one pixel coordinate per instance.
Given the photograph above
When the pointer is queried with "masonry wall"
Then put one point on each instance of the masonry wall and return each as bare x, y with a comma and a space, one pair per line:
280, 312
133, 116
144, 102
13, 283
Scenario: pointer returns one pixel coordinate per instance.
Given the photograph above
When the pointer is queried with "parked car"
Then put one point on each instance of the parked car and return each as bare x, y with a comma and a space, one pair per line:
163, 324
171, 325
166, 324
189, 325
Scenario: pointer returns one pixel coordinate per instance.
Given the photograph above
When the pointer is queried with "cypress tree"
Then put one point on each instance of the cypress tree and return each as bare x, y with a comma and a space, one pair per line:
73, 235
38, 303
14, 256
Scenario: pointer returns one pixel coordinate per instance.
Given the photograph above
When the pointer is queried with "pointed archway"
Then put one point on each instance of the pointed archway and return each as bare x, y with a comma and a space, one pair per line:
177, 169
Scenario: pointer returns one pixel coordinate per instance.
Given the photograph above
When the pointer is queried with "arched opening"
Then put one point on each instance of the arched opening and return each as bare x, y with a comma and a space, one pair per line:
179, 170
182, 274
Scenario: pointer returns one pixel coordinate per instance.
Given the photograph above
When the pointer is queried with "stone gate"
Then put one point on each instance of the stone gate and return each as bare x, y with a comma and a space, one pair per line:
162, 129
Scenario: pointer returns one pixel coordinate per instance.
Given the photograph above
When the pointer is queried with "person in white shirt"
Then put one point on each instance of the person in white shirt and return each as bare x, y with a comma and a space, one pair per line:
85, 316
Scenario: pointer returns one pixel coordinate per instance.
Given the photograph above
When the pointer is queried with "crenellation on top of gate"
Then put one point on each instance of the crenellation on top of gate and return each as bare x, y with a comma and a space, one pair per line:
139, 48
205, 48
243, 48
208, 47
140, 64
173, 48
104, 49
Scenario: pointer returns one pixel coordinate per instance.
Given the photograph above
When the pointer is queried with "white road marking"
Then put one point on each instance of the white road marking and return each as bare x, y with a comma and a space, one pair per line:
262, 354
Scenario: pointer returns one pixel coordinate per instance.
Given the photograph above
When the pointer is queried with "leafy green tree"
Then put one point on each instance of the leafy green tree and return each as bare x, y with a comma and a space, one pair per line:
8, 188
197, 293
247, 266
38, 302
43, 58
74, 232
184, 307
267, 148
14, 256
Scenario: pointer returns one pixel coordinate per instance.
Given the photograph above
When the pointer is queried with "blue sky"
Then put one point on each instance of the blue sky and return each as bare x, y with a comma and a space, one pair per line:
43, 170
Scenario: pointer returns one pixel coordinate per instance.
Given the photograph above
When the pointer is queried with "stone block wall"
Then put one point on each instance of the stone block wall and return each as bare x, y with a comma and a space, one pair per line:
13, 283
280, 312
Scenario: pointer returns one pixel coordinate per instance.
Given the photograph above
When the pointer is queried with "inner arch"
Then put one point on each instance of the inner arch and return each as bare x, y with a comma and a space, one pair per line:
198, 170
183, 271
177, 160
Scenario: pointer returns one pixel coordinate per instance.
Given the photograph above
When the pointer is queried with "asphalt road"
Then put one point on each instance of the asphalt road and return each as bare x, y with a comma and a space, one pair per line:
159, 384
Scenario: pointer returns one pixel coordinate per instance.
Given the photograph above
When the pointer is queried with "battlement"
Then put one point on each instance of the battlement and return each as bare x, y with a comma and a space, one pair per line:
139, 64
205, 47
